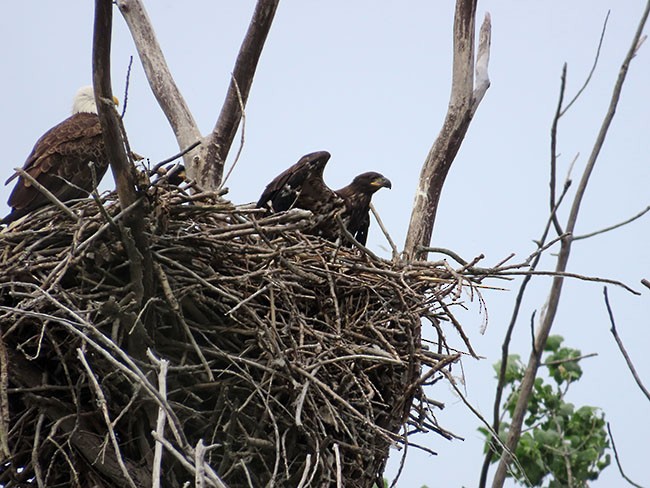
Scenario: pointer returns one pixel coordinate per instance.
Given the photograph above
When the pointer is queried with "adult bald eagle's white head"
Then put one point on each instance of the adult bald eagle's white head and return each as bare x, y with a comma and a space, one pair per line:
84, 101
60, 159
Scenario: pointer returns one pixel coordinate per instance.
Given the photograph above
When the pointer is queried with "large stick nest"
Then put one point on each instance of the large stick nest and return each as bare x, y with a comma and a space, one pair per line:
288, 360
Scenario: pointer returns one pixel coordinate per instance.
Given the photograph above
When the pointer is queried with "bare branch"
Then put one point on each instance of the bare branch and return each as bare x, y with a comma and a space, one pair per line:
463, 103
593, 67
113, 139
161, 81
548, 316
134, 237
615, 226
619, 342
618, 461
218, 143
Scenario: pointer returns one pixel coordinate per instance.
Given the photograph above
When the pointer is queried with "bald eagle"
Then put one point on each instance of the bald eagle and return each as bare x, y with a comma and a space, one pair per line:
357, 196
302, 186
59, 160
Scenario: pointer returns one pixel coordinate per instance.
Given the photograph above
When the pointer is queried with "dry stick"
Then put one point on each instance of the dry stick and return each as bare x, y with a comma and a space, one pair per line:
213, 479
4, 399
35, 450
593, 68
101, 401
219, 141
162, 364
565, 274
337, 458
464, 100
199, 455
243, 134
478, 415
553, 205
126, 87
548, 317
50, 196
393, 247
618, 461
619, 342
182, 153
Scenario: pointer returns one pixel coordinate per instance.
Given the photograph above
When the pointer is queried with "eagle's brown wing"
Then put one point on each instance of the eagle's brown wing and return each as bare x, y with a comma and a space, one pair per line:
59, 162
299, 186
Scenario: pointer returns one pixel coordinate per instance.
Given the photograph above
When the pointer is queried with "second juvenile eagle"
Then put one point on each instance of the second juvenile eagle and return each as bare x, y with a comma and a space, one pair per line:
59, 160
302, 186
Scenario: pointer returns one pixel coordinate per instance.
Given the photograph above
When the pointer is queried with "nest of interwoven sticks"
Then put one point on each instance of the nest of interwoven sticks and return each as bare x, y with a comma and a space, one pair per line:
261, 356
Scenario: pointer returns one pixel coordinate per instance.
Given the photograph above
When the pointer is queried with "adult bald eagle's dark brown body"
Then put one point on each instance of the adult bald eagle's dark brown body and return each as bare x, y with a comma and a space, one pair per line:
302, 186
59, 160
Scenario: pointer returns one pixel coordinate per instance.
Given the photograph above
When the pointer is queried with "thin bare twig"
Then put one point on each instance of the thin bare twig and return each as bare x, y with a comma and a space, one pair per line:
621, 347
615, 226
618, 461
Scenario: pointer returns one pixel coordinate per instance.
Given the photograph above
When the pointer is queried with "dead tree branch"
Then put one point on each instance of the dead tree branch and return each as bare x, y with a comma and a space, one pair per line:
466, 95
618, 461
219, 141
621, 347
162, 83
133, 234
548, 316
205, 163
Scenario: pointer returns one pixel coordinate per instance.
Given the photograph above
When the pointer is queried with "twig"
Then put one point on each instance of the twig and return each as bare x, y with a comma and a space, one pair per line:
593, 67
615, 226
243, 133
126, 87
618, 461
391, 243
570, 360
50, 196
101, 401
162, 365
180, 154
621, 347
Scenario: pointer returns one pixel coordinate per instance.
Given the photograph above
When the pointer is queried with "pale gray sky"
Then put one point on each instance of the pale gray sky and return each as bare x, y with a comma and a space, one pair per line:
369, 82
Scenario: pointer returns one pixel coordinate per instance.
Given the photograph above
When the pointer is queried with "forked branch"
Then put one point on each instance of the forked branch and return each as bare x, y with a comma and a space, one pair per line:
205, 163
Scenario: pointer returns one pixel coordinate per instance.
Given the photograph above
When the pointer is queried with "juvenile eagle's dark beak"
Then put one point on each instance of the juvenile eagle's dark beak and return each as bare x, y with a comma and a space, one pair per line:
382, 182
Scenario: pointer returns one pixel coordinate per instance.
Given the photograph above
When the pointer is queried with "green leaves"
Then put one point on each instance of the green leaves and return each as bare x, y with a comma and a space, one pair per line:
562, 445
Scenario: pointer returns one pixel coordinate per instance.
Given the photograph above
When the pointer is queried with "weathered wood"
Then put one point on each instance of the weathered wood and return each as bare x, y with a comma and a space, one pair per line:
162, 82
463, 103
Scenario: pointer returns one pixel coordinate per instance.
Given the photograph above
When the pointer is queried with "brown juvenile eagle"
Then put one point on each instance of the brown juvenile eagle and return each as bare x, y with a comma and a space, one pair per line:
59, 160
302, 186
357, 196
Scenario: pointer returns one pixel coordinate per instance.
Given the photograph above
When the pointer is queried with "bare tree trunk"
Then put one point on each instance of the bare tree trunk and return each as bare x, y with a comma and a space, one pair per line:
464, 101
548, 316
